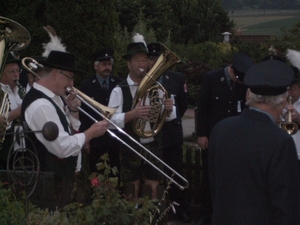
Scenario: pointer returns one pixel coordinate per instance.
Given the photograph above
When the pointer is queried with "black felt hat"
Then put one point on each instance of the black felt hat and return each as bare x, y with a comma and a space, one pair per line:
62, 60
135, 48
271, 77
103, 54
241, 63
154, 49
11, 59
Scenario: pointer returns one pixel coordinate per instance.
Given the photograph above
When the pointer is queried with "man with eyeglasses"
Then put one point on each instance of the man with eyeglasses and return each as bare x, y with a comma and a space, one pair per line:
44, 103
11, 74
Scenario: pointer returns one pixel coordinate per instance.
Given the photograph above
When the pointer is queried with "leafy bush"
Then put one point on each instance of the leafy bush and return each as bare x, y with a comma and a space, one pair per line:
108, 206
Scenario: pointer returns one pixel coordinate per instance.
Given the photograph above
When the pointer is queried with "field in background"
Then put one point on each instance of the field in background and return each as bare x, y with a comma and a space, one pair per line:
260, 22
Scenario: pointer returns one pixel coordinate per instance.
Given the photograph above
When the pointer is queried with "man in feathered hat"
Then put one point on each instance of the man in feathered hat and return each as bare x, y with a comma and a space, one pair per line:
99, 87
132, 167
47, 101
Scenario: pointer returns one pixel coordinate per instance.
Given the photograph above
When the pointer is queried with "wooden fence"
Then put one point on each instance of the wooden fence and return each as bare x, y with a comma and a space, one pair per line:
192, 171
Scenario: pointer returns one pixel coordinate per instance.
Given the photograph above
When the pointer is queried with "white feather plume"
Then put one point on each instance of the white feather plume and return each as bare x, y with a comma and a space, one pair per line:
294, 57
55, 43
139, 38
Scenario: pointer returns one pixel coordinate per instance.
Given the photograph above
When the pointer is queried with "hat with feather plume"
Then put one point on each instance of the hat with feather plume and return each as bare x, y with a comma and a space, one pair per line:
138, 46
56, 55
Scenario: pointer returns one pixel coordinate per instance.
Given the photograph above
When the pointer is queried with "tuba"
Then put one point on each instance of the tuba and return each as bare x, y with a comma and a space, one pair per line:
149, 90
13, 37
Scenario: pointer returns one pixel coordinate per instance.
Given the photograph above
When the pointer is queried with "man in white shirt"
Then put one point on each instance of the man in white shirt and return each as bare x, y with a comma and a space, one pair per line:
121, 98
11, 74
44, 103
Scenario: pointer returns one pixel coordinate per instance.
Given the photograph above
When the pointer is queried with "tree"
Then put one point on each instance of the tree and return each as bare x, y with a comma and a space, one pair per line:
83, 26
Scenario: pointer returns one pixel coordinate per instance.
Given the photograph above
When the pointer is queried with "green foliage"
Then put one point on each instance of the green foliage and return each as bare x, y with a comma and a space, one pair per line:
108, 206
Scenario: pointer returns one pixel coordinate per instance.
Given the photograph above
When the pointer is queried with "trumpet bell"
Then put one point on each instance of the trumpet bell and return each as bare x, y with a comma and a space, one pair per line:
290, 127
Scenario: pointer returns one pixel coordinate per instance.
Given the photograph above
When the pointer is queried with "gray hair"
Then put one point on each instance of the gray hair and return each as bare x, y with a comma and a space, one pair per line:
273, 101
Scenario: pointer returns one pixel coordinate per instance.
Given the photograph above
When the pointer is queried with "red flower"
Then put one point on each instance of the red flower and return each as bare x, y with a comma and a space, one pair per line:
95, 182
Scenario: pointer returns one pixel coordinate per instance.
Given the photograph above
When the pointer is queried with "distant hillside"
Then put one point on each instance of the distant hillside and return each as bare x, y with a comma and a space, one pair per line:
259, 22
260, 4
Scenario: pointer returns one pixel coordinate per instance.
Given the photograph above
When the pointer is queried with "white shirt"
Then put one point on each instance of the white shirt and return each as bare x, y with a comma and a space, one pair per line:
13, 96
297, 135
116, 101
41, 111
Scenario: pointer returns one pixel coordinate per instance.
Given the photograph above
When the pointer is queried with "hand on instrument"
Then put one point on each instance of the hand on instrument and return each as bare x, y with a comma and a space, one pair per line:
294, 113
168, 103
203, 142
141, 111
73, 102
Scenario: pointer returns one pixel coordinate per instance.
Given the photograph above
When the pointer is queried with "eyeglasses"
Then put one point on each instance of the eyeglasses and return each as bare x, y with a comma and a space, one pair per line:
11, 72
71, 78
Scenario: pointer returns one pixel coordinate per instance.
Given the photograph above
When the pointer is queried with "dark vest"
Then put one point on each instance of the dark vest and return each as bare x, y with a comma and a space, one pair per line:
127, 106
49, 162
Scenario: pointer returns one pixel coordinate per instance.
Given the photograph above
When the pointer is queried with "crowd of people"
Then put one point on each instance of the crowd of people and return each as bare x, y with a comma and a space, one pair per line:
250, 166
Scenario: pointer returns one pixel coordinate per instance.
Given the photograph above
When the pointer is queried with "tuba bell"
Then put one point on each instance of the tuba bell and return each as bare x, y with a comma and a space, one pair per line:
149, 89
13, 37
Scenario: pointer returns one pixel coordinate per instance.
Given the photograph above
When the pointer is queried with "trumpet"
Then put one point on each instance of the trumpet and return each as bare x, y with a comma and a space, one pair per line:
106, 113
289, 126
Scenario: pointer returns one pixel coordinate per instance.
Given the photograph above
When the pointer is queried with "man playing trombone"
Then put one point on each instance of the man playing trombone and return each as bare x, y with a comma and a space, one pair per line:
43, 103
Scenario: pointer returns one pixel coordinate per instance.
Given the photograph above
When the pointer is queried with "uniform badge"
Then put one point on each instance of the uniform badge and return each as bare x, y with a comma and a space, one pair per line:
222, 79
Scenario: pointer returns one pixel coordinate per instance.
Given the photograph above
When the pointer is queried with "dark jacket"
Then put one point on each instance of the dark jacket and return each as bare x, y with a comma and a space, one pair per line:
216, 101
253, 172
92, 88
174, 83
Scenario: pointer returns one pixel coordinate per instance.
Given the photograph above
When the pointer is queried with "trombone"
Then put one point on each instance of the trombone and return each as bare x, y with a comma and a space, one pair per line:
106, 113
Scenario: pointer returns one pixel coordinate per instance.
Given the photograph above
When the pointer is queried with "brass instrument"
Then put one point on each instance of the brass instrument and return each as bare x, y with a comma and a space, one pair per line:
149, 89
290, 126
106, 113
13, 37
31, 65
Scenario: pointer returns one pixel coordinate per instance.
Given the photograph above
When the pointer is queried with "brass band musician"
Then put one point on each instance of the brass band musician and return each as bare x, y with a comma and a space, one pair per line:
132, 167
11, 73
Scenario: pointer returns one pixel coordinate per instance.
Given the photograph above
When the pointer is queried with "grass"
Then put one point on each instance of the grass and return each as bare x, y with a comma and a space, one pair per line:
268, 23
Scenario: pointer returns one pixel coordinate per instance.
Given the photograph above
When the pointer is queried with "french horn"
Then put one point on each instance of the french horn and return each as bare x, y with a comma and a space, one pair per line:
148, 89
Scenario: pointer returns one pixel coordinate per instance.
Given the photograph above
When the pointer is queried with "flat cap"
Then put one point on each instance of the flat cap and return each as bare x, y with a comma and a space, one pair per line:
271, 77
241, 62
103, 54
154, 49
